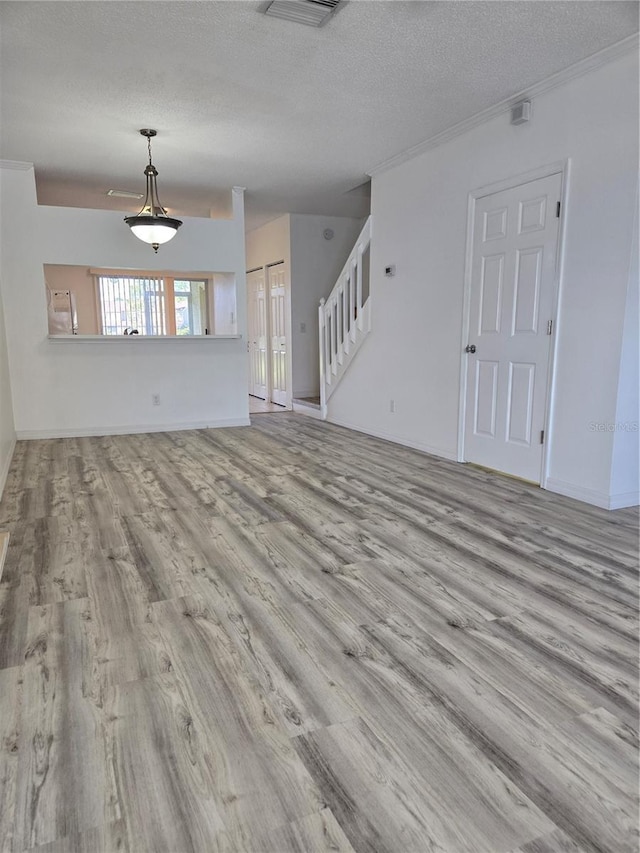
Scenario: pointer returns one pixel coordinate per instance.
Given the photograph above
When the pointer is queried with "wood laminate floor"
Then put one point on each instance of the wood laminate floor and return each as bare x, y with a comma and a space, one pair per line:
258, 406
292, 637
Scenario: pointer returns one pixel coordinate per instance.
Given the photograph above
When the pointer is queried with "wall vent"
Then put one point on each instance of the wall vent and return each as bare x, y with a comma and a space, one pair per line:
312, 13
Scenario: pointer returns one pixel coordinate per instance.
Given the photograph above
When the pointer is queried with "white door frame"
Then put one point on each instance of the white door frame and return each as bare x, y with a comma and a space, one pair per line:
563, 168
250, 318
287, 324
289, 367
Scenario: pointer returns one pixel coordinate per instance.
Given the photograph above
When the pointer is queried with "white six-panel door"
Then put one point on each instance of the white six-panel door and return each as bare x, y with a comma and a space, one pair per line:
257, 333
278, 331
513, 277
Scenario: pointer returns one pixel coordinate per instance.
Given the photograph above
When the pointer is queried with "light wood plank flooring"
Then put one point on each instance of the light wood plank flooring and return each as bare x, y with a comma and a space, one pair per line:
292, 637
258, 406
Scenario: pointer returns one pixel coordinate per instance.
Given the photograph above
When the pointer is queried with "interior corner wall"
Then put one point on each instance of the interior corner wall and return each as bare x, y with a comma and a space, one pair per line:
315, 266
269, 244
102, 387
82, 285
7, 430
625, 473
419, 208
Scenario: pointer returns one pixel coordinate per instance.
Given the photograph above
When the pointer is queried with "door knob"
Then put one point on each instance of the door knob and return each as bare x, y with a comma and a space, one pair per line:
470, 348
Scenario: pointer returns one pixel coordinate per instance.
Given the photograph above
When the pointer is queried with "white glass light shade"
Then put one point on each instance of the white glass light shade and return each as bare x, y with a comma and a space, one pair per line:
157, 233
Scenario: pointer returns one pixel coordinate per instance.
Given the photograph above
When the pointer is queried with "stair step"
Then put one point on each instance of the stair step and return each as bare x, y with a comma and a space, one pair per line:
308, 407
312, 402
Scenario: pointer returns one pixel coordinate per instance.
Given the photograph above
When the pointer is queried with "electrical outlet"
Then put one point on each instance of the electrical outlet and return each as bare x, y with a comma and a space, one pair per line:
392, 406
155, 399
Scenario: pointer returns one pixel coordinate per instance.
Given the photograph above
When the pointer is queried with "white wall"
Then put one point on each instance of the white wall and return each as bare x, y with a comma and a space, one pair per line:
72, 387
269, 244
82, 285
7, 431
315, 266
626, 462
419, 219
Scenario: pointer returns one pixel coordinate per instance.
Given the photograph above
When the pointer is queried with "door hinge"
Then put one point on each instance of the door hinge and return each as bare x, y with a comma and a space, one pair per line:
549, 326
558, 210
541, 436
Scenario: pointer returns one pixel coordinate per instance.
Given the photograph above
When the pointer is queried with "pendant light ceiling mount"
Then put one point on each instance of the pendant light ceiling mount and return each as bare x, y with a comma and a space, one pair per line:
151, 224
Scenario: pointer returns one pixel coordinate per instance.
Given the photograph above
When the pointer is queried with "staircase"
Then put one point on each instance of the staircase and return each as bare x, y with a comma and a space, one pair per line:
344, 318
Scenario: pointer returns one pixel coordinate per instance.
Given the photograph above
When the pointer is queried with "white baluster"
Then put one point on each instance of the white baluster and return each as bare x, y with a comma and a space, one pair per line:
345, 314
334, 342
359, 316
322, 339
339, 326
327, 342
352, 307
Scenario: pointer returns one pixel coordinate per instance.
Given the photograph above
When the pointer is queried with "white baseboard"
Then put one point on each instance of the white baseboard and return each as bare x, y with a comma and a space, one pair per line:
592, 496
416, 445
28, 434
624, 499
5, 468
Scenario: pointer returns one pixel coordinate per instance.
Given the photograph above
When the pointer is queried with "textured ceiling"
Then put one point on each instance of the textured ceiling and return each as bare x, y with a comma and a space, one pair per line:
294, 114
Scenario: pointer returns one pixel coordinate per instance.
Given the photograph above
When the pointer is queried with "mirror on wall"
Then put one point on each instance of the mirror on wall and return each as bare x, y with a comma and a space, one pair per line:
108, 302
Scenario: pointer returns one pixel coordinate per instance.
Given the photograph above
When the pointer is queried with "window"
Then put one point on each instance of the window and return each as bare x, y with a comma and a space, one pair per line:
190, 301
132, 305
152, 306
150, 303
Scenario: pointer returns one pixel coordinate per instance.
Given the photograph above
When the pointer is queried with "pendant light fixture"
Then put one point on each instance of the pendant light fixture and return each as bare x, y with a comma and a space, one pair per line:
151, 224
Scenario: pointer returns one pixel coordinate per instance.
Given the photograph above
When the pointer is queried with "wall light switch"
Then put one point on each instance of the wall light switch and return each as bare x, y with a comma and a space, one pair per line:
303, 327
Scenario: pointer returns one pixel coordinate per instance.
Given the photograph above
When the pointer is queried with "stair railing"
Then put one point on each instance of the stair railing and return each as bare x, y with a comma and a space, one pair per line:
341, 318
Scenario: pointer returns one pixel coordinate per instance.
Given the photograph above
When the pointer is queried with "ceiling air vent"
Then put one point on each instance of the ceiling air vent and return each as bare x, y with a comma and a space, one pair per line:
125, 194
312, 13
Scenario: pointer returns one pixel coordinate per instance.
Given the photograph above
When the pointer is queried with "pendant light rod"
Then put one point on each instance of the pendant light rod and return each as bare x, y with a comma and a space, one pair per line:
152, 202
151, 224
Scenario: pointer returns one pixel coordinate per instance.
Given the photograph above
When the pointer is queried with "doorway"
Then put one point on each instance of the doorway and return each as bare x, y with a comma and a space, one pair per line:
511, 303
269, 339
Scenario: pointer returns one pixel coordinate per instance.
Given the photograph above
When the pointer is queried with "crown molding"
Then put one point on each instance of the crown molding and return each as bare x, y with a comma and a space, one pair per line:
16, 165
578, 69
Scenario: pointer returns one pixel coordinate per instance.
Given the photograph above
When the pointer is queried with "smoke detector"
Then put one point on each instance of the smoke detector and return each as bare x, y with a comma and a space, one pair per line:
312, 13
